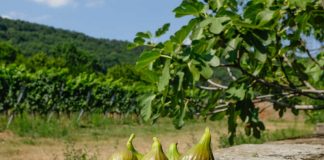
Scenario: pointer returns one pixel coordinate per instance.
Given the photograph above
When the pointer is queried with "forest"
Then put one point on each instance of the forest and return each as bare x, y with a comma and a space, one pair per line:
35, 40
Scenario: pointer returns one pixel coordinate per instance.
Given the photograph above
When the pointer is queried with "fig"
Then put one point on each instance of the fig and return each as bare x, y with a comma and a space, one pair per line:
129, 152
131, 147
156, 152
202, 150
123, 155
173, 153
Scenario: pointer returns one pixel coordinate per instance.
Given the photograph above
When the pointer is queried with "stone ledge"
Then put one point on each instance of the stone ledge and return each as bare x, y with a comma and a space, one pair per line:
272, 152
320, 129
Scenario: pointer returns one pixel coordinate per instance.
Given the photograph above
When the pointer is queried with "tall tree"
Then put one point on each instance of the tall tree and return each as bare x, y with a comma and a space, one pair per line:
266, 41
7, 52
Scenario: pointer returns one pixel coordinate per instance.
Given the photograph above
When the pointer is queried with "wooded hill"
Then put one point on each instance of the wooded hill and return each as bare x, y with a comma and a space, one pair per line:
32, 38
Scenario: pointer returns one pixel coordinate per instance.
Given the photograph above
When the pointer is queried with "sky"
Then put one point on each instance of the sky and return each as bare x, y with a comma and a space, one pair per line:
111, 19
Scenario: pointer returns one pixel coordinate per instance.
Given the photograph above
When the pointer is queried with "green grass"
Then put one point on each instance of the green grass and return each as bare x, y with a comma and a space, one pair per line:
267, 136
59, 127
99, 127
29, 126
315, 117
93, 126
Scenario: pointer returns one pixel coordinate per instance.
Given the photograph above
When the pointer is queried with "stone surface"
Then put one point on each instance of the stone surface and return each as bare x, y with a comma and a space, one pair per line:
320, 129
283, 150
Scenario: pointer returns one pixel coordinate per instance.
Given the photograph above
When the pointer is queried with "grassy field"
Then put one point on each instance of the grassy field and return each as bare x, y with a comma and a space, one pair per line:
97, 136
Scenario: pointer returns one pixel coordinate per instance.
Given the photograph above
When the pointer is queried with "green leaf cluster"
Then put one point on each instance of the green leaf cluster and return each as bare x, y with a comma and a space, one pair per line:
263, 46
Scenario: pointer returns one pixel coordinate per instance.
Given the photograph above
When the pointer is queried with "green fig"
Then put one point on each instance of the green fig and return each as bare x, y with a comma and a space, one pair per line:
131, 147
129, 152
202, 150
123, 155
156, 152
173, 153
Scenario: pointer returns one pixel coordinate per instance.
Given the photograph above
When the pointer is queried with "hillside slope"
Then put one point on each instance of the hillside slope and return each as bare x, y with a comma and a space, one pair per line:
33, 38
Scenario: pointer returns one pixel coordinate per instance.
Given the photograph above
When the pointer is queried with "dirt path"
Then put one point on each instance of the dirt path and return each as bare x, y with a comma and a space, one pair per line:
297, 149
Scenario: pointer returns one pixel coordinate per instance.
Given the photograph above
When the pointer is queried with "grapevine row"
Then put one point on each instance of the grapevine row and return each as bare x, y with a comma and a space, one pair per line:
55, 90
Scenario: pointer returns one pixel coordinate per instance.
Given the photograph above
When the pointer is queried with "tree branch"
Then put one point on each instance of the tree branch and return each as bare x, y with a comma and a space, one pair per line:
312, 91
310, 55
285, 73
210, 88
306, 83
224, 107
318, 93
298, 107
220, 108
227, 65
231, 74
217, 85
272, 95
308, 107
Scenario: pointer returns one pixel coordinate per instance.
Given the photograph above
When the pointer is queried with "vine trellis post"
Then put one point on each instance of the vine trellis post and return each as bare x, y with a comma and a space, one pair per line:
21, 94
87, 103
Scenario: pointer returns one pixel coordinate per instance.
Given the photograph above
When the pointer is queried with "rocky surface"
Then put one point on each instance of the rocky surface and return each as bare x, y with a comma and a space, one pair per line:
282, 150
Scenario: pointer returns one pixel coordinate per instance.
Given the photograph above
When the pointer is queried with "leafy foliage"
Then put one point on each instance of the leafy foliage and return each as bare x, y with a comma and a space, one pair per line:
261, 41
56, 90
8, 53
31, 38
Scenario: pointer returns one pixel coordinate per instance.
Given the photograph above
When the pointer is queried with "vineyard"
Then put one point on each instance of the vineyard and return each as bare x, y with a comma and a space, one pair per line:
53, 91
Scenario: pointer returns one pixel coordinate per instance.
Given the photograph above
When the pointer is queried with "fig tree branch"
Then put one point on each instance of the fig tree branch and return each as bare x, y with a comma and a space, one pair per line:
230, 73
217, 84
306, 83
310, 55
312, 93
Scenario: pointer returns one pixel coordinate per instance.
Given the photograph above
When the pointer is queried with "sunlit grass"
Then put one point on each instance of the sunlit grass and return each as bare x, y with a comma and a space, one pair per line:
267, 136
100, 127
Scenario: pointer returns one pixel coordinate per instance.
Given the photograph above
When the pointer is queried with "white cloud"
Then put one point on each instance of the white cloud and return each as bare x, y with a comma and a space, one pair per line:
23, 16
14, 15
74, 3
55, 3
5, 16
